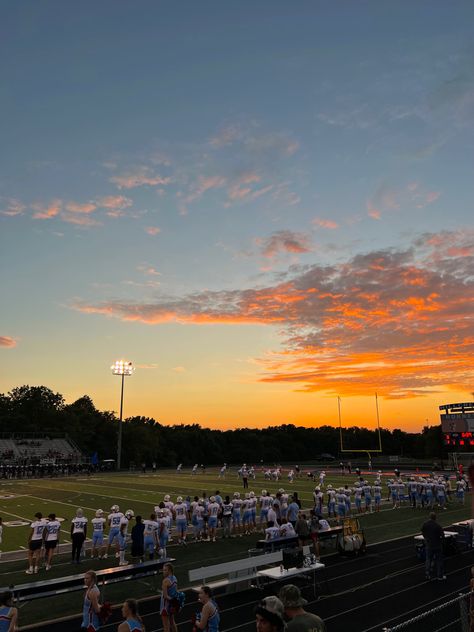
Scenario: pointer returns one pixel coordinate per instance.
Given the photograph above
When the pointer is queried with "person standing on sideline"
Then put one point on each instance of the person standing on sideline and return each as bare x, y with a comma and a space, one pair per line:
208, 619
138, 531
133, 621
434, 535
35, 542
78, 535
169, 589
299, 619
8, 614
51, 538
91, 609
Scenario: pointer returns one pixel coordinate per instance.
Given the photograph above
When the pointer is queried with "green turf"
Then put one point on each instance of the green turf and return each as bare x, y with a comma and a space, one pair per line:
141, 493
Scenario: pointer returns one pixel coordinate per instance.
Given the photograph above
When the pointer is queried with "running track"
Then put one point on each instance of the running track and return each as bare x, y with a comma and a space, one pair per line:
382, 588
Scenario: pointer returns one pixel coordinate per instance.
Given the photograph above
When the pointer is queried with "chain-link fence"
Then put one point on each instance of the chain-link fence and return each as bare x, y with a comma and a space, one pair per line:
451, 616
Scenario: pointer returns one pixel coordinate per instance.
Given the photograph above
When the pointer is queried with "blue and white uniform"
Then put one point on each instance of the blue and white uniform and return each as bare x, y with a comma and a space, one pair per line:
114, 519
149, 535
213, 509
5, 618
134, 625
98, 525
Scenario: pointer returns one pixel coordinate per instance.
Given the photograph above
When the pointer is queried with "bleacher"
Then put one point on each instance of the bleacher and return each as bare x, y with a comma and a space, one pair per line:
40, 447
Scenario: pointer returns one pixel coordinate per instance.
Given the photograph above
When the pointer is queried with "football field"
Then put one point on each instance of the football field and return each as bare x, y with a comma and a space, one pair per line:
20, 500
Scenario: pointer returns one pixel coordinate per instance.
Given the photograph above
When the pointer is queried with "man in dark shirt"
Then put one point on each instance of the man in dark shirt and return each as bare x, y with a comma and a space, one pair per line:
434, 535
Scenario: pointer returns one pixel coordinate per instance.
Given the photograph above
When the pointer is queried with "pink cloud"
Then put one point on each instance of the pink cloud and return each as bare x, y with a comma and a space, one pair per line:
153, 230
114, 202
76, 207
47, 212
141, 176
284, 241
6, 341
325, 223
13, 207
79, 219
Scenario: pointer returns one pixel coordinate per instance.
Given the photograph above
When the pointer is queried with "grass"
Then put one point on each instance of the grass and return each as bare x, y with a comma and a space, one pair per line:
140, 493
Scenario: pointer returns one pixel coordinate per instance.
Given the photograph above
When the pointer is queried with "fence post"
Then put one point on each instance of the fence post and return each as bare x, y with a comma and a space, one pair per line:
464, 612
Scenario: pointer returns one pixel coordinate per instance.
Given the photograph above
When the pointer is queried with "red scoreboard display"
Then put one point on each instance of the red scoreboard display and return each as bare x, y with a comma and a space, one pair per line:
457, 424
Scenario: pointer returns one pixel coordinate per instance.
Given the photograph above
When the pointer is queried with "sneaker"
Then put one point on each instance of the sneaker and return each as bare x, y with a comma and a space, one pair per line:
47, 567
441, 579
104, 557
124, 563
29, 571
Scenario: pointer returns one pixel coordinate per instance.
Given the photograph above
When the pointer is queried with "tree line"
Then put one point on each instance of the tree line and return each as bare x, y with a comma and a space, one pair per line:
38, 409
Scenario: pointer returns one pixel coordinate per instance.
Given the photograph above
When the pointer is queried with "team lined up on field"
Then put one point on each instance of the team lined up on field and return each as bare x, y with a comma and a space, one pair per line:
274, 514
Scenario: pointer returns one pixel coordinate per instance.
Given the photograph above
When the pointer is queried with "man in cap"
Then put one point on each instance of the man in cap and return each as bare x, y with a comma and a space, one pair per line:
299, 619
269, 615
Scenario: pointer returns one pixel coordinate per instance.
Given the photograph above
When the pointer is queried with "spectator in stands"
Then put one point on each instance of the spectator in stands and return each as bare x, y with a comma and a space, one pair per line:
269, 615
302, 529
300, 620
314, 529
91, 609
169, 589
434, 536
208, 619
133, 621
8, 614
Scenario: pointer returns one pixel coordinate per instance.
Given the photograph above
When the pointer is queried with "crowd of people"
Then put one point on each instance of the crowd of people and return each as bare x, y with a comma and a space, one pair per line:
42, 470
203, 518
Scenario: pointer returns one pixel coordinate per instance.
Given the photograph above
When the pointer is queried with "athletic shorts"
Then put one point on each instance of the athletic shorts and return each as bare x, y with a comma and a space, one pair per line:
236, 517
50, 544
212, 522
246, 518
35, 545
97, 539
181, 525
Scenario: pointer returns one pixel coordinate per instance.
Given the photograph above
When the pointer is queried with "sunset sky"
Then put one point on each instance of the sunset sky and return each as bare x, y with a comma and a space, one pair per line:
262, 205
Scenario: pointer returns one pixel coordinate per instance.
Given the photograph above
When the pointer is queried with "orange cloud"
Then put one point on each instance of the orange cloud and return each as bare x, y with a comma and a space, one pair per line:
6, 341
76, 207
153, 230
399, 322
47, 212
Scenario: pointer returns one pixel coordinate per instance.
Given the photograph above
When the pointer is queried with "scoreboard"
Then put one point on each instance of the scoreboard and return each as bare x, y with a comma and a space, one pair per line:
457, 424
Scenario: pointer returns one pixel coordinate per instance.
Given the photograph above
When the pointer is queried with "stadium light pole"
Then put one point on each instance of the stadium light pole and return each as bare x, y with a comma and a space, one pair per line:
122, 368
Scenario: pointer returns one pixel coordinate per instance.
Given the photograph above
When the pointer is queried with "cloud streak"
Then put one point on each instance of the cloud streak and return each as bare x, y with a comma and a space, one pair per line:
8, 342
400, 321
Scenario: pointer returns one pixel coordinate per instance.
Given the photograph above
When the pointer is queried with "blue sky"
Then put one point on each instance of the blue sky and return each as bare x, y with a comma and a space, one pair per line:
162, 160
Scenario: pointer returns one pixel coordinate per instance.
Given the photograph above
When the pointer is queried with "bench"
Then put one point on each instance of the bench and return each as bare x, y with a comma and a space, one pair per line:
60, 585
238, 571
